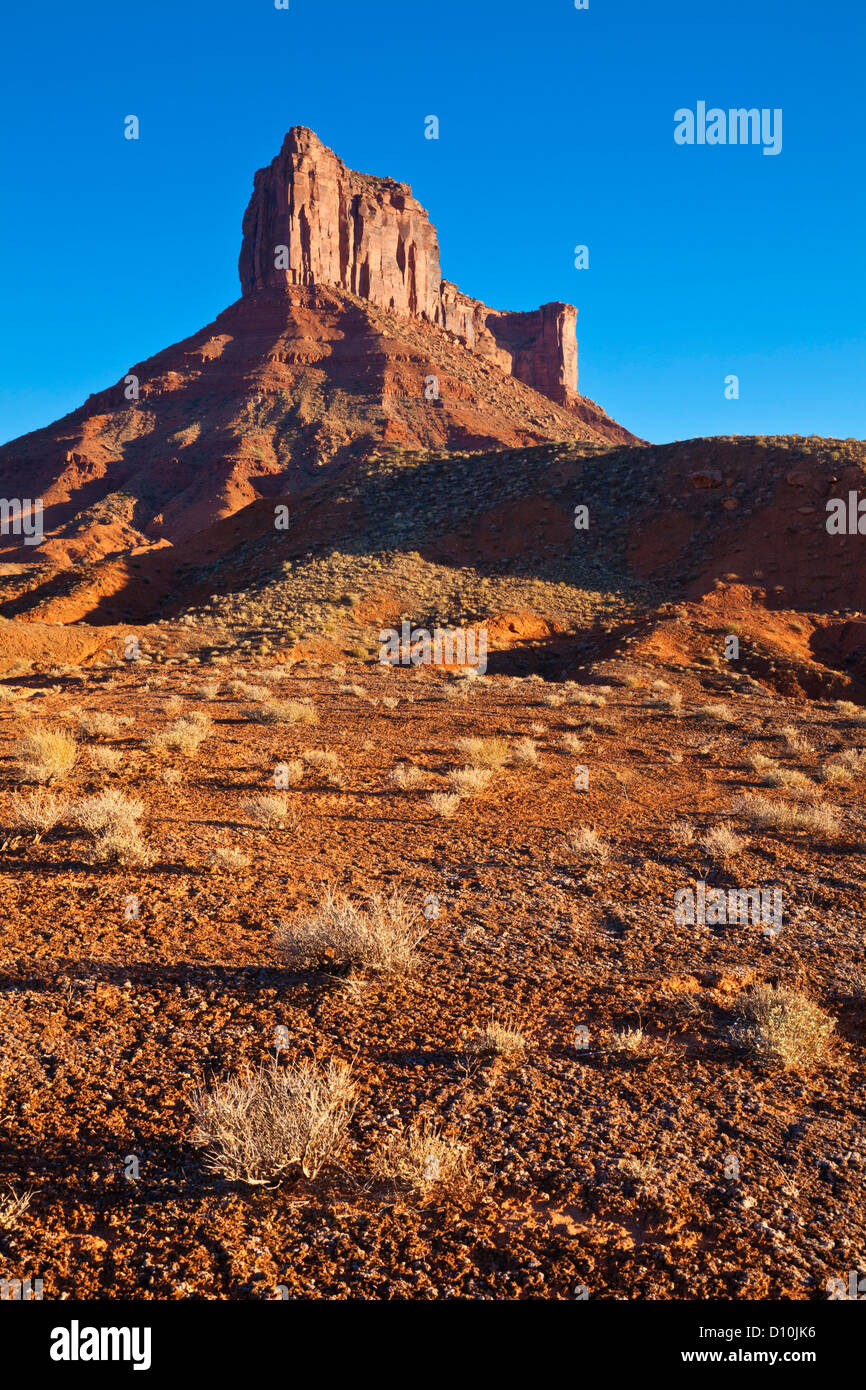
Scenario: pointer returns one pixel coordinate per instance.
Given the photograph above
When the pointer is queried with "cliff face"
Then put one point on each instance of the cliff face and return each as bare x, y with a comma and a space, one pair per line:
313, 221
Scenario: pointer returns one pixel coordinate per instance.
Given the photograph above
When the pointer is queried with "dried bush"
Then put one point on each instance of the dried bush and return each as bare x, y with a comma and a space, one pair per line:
40, 811
12, 1207
420, 1156
405, 778
721, 843
781, 815
500, 1036
587, 845
782, 1027
382, 936
260, 1126
719, 714
491, 753
444, 803
524, 753
230, 859
468, 781
283, 712
269, 809
46, 754
106, 759
185, 735
102, 724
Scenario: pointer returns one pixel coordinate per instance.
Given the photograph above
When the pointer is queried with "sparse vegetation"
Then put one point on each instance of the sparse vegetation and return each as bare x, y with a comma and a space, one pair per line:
782, 1027
381, 936
257, 1128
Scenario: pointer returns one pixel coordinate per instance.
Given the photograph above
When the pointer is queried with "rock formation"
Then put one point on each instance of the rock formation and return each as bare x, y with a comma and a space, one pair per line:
313, 221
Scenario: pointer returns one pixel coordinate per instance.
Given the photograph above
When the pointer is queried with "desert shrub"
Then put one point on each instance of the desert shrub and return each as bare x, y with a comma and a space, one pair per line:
185, 735
585, 697
524, 753
722, 843
718, 714
382, 936
585, 844
106, 759
258, 1127
781, 815
13, 1205
102, 724
683, 832
323, 758
232, 860
837, 774
572, 743
855, 713
500, 1036
357, 690
420, 1156
782, 1027
491, 753
208, 690
268, 809
405, 778
283, 712
795, 741
41, 811
444, 803
468, 781
46, 753
291, 772
630, 1040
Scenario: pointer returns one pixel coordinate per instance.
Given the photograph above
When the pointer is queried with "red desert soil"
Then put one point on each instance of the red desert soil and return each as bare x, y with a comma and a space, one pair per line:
599, 1161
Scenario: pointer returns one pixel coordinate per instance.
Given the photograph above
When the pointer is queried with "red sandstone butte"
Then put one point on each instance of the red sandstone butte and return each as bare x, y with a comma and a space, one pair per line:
313, 221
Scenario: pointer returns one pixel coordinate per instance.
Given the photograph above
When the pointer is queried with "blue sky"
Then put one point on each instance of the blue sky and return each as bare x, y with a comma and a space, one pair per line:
556, 129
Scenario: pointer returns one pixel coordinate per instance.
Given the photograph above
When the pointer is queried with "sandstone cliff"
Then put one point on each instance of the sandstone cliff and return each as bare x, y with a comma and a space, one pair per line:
313, 221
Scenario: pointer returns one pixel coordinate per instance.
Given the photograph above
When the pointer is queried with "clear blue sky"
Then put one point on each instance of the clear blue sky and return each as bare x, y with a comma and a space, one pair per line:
556, 129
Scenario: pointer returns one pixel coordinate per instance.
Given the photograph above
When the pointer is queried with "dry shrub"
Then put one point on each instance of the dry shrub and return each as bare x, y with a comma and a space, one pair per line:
106, 759
46, 753
837, 774
468, 781
632, 1041
102, 724
260, 1126
325, 759
721, 843
855, 759
795, 741
587, 845
12, 1207
291, 772
782, 1027
185, 735
171, 776
269, 809
444, 803
420, 1156
208, 690
500, 1036
284, 712
112, 820
405, 778
491, 753
40, 811
357, 690
230, 859
455, 690
855, 713
242, 690
572, 743
790, 778
718, 714
524, 753
683, 832
781, 815
382, 936
585, 697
